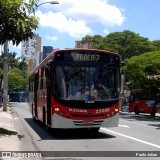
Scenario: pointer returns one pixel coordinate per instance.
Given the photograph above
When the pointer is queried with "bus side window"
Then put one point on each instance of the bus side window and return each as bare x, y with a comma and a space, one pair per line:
48, 74
42, 78
48, 71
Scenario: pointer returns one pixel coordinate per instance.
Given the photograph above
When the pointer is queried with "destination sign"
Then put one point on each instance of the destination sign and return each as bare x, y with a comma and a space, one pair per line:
85, 57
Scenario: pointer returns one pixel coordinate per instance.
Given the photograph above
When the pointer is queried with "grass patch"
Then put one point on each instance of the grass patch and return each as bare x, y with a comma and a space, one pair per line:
7, 132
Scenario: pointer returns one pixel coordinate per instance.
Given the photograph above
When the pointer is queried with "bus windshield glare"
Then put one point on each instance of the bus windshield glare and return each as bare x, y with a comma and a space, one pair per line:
96, 82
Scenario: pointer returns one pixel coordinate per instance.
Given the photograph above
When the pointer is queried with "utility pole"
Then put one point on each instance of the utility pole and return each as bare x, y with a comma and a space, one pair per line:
5, 77
122, 98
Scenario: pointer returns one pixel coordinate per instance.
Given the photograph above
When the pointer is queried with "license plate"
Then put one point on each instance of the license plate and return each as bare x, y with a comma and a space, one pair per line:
88, 122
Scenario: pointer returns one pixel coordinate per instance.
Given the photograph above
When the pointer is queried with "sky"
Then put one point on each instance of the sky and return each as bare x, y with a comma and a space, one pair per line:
60, 25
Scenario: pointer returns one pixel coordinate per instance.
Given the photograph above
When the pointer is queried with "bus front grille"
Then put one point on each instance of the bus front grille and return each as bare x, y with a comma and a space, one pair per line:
88, 115
85, 123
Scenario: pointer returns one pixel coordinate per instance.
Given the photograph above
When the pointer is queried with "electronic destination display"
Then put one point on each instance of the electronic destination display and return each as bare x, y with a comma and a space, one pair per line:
87, 56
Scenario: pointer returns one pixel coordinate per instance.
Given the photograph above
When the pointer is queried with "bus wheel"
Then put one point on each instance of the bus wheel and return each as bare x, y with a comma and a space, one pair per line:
33, 114
44, 117
152, 114
44, 120
136, 110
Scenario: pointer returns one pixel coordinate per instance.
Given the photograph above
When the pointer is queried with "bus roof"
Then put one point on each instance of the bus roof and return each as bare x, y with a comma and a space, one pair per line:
52, 54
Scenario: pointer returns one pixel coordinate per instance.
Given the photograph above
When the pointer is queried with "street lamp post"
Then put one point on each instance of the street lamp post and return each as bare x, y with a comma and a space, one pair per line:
51, 2
5, 67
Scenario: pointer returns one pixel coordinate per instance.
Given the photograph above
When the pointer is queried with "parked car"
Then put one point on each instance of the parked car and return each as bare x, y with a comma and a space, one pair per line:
18, 97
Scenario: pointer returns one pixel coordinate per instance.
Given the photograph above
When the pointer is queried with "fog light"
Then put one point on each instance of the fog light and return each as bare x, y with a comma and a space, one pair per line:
67, 115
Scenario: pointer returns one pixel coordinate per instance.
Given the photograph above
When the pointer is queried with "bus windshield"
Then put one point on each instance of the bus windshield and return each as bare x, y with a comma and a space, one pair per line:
87, 83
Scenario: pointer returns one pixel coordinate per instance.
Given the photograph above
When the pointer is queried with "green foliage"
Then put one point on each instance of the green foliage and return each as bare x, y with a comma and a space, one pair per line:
156, 45
17, 76
15, 62
23, 65
96, 41
18, 81
126, 43
16, 22
138, 68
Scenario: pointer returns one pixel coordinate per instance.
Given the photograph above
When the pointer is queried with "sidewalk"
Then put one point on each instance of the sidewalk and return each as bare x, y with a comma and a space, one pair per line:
9, 140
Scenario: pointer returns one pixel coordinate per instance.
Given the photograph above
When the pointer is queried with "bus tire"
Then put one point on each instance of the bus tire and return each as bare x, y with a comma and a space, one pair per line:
153, 114
44, 119
33, 114
136, 110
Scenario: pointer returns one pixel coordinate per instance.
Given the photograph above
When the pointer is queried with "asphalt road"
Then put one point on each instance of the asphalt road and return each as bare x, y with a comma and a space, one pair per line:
135, 138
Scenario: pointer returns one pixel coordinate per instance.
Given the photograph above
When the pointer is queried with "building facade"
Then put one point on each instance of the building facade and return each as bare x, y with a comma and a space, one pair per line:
30, 50
79, 44
46, 51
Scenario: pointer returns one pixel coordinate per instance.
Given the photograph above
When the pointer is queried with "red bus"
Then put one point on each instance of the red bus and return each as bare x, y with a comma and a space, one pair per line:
142, 102
76, 88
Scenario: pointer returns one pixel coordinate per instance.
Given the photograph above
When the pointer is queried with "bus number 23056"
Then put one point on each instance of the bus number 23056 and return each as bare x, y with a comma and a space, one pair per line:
104, 110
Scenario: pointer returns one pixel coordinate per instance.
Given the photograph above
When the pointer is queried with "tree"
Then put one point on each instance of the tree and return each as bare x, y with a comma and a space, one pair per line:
18, 81
16, 21
23, 65
16, 25
96, 41
138, 68
126, 43
17, 68
14, 62
156, 45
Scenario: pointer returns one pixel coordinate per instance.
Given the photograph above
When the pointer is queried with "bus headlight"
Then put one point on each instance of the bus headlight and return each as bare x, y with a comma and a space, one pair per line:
56, 109
116, 110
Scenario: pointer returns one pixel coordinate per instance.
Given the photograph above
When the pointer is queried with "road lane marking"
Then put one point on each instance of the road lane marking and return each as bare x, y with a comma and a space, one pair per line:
125, 126
139, 124
129, 137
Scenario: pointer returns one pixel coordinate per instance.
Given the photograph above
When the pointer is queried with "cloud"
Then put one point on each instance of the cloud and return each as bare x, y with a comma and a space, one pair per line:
105, 31
75, 28
99, 11
51, 38
76, 17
